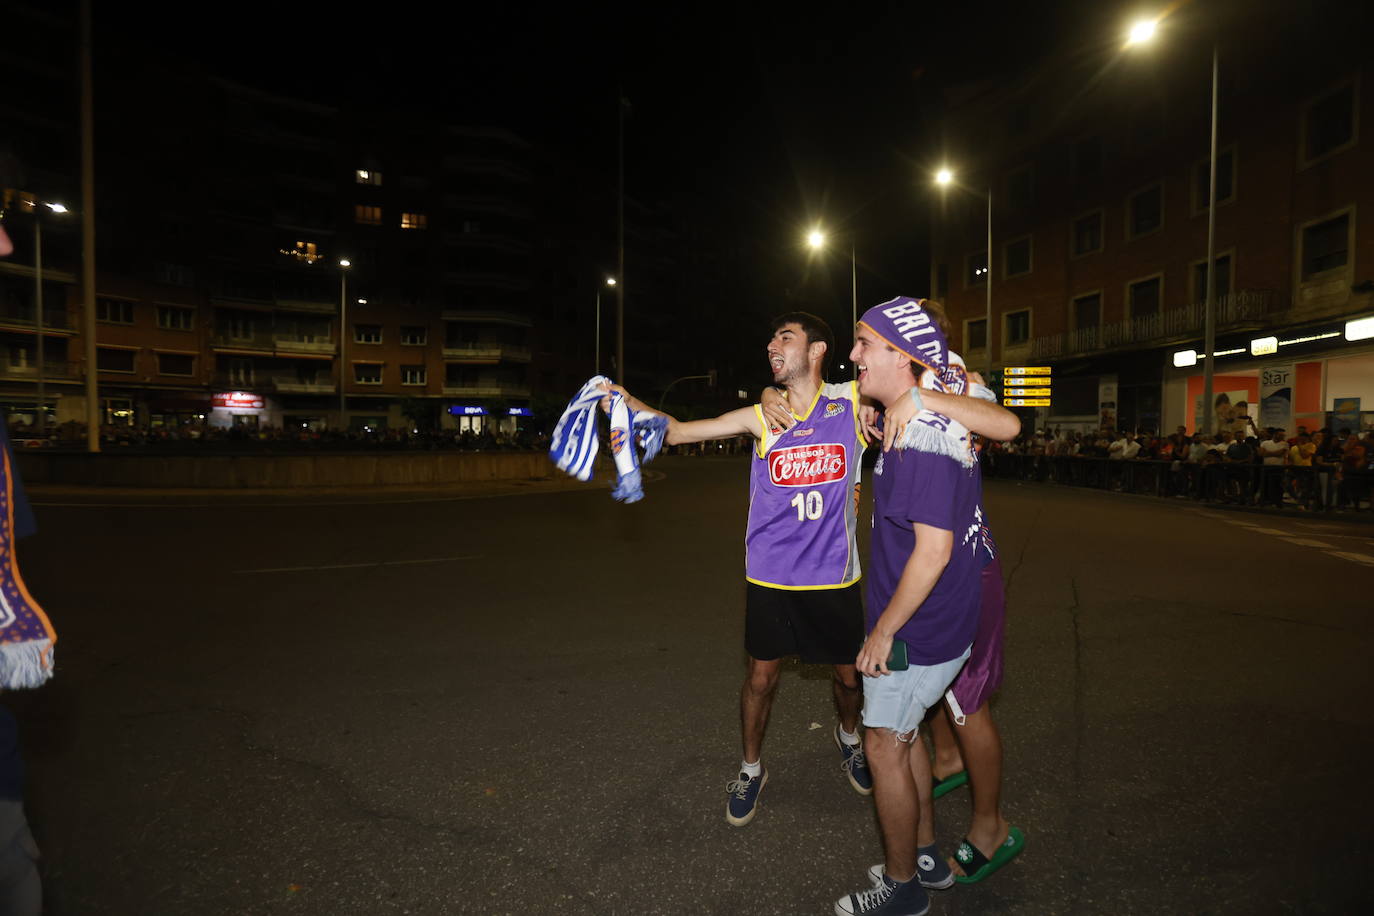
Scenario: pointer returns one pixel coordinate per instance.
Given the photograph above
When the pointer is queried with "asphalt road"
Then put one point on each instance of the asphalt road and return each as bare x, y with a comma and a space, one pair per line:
527, 704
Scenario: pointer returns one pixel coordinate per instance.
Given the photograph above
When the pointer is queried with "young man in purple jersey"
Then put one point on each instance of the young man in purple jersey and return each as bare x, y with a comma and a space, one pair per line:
923, 597
801, 556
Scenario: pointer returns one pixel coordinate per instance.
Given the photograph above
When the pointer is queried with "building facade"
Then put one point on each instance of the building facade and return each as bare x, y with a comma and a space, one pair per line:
1099, 177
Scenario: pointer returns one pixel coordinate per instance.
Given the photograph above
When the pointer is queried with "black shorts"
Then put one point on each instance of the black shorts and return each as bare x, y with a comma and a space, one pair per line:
825, 626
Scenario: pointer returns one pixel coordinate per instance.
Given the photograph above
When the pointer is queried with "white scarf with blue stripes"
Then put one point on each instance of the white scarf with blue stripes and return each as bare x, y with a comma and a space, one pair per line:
575, 441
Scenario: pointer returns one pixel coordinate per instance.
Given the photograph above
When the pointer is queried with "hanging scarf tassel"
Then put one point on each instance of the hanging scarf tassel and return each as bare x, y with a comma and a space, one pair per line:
26, 634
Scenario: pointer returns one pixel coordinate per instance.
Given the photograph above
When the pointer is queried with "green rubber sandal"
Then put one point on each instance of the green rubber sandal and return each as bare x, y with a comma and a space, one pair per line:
977, 866
950, 783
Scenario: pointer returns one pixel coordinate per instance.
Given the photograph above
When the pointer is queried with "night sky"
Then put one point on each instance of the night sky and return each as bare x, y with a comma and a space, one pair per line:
763, 120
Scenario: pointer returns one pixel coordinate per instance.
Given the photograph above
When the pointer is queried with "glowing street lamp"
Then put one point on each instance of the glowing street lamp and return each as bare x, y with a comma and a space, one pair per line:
944, 177
596, 366
1141, 32
816, 240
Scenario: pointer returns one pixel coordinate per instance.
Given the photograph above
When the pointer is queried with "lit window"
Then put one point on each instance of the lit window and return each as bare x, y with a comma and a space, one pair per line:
414, 221
367, 373
414, 336
367, 333
175, 319
114, 311
368, 176
368, 216
305, 252
412, 375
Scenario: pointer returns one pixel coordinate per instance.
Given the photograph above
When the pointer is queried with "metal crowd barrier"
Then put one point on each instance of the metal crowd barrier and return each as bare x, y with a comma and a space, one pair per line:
1314, 488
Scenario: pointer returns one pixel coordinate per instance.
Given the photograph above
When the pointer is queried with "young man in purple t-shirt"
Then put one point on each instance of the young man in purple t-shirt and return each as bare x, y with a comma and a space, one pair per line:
923, 595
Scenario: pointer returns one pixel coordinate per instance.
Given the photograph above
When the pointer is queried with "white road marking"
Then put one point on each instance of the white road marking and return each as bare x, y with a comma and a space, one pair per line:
1291, 538
1307, 542
283, 569
1364, 558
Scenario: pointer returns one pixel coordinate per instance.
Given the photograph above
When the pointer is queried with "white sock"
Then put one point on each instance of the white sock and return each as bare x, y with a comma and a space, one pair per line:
849, 738
752, 770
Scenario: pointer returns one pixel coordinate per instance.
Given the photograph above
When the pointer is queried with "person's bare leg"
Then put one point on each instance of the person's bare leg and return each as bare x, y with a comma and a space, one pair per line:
982, 751
948, 759
755, 703
920, 776
894, 792
849, 696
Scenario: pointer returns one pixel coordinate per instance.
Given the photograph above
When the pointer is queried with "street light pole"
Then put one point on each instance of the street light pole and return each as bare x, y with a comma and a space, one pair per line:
344, 264
1210, 320
1143, 31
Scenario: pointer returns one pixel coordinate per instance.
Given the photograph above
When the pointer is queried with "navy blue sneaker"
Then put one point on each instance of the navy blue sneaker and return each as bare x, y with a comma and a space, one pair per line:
932, 871
744, 797
855, 765
887, 898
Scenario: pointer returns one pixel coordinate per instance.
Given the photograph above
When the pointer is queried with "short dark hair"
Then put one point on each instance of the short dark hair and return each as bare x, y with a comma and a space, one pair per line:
937, 311
815, 329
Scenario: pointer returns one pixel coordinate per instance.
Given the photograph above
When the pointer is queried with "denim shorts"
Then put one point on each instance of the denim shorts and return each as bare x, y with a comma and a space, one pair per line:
899, 700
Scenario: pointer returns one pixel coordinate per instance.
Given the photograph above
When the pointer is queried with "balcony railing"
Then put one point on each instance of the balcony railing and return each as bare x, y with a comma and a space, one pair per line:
271, 341
304, 344
291, 384
1232, 310
52, 369
23, 318
492, 353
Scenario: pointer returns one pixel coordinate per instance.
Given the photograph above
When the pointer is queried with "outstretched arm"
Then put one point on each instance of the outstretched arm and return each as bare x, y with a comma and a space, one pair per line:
741, 422
985, 418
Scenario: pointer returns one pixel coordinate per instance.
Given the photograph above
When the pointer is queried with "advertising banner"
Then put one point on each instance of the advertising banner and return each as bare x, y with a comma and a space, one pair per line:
1106, 402
1345, 414
1276, 397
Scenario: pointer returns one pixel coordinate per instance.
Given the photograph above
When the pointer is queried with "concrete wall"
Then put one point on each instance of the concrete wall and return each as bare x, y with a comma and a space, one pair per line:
261, 471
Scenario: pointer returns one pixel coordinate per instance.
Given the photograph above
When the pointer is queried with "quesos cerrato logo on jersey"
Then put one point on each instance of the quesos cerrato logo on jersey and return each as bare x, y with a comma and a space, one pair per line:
807, 465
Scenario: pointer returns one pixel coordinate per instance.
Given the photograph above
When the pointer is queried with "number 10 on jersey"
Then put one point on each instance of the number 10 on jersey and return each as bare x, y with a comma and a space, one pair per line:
809, 505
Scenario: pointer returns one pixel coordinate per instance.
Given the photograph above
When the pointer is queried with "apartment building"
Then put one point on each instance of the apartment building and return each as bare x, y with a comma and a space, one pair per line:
1098, 170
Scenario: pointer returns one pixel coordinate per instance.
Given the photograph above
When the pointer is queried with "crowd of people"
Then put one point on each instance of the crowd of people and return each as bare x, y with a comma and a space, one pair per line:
1309, 470
72, 434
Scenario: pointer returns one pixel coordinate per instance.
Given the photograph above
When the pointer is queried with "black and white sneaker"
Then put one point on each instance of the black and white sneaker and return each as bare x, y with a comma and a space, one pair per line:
932, 871
887, 898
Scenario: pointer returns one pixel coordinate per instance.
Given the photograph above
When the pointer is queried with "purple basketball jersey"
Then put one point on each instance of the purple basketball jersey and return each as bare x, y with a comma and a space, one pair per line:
803, 493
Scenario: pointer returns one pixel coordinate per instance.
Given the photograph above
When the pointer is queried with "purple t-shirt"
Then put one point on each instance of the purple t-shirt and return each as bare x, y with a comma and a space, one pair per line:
918, 487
